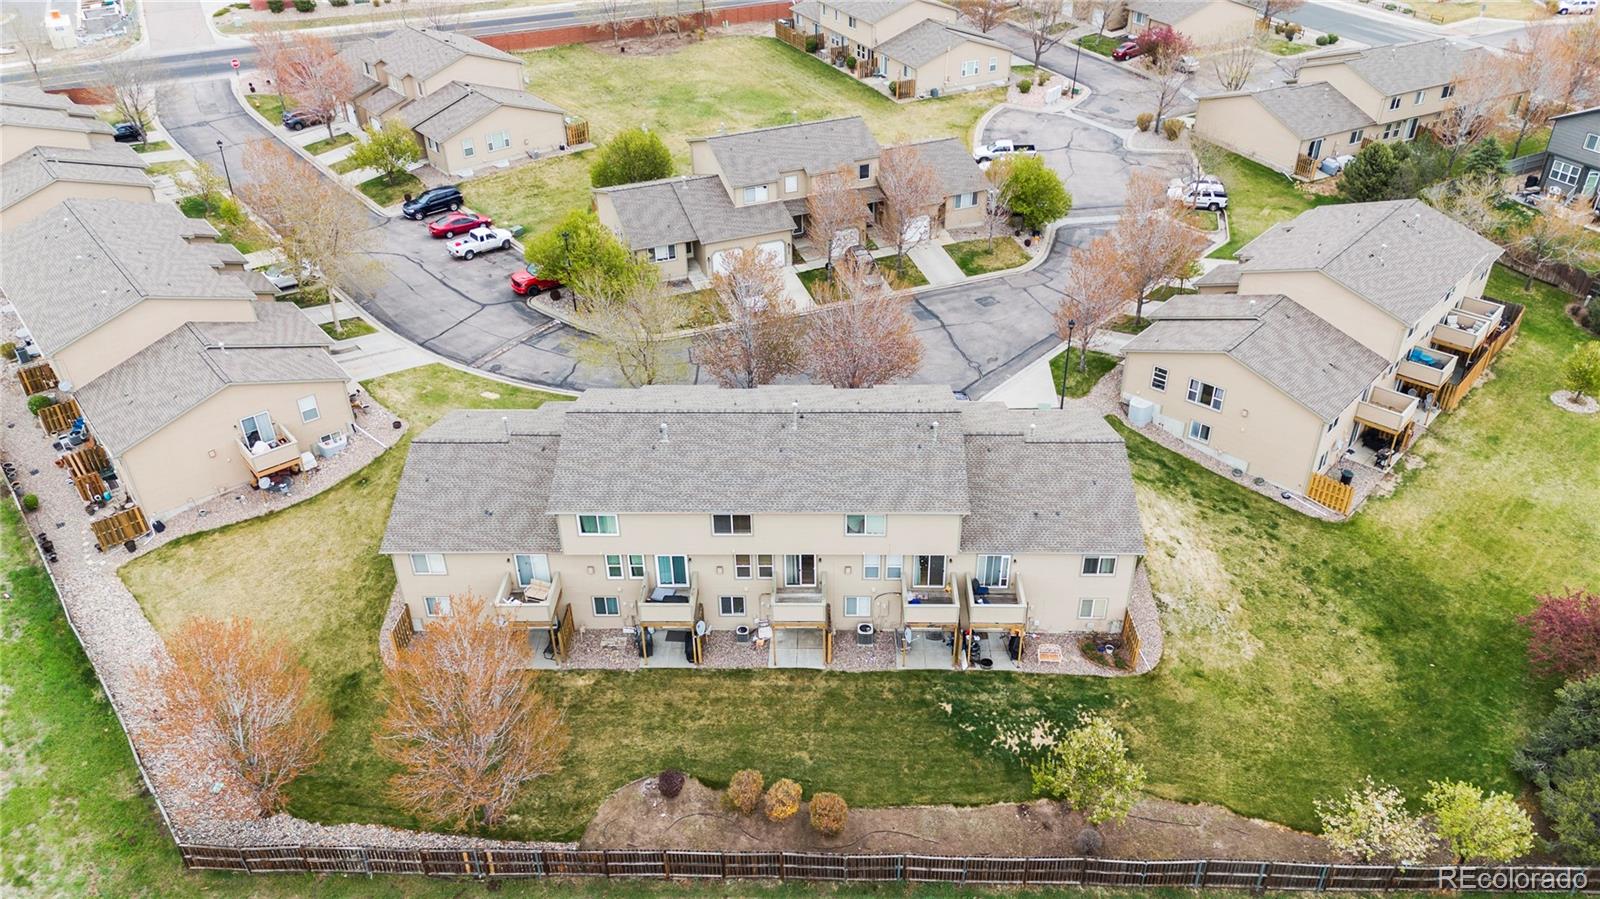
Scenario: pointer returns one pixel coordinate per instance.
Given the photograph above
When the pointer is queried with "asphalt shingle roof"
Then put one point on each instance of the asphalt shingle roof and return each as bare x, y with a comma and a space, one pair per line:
38, 168
424, 52
1315, 109
928, 40
1296, 351
679, 210
1224, 275
84, 262
1398, 68
1401, 255
56, 119
867, 10
451, 109
380, 101
762, 155
952, 163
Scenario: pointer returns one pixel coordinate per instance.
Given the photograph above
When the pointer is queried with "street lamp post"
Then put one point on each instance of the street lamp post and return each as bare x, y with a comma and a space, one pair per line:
225, 172
1066, 365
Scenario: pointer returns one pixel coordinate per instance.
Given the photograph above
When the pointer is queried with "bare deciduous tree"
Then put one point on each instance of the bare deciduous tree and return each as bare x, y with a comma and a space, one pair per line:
465, 720
1236, 60
133, 89
612, 17
239, 701
1576, 81
985, 14
1554, 238
666, 17
26, 33
307, 68
833, 210
1152, 238
863, 336
1098, 284
1528, 68
1045, 21
631, 332
433, 13
1164, 49
762, 339
1271, 9
1472, 201
912, 193
1478, 102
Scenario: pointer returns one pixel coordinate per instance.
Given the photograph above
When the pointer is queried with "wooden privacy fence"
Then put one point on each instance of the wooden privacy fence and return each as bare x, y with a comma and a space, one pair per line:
119, 527
1130, 639
577, 132
1452, 394
789, 36
37, 378
662, 864
59, 417
1325, 491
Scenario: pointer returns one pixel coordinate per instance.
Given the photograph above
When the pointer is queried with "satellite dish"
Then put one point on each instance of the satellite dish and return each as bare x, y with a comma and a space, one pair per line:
700, 628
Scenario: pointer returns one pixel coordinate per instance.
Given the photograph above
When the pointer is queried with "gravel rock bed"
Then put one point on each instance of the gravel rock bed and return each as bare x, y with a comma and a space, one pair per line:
723, 652
609, 650
848, 655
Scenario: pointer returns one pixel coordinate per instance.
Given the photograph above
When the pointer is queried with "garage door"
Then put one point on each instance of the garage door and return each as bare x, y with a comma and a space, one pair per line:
775, 250
916, 229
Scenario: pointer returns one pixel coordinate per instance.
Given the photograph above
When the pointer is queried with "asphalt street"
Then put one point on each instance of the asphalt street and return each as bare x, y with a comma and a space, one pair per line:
1346, 19
1118, 94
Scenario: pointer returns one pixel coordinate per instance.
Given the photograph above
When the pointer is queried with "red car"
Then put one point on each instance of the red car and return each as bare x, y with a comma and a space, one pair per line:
526, 281
452, 223
1127, 51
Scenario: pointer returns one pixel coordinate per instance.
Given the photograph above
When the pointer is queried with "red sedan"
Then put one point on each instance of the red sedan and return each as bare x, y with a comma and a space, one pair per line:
452, 223
1127, 51
527, 280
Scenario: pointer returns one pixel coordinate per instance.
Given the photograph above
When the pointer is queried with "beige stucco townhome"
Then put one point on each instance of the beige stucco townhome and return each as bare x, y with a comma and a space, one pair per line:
860, 26
1402, 87
938, 57
468, 126
45, 176
1291, 129
409, 63
30, 118
893, 508
1205, 22
685, 225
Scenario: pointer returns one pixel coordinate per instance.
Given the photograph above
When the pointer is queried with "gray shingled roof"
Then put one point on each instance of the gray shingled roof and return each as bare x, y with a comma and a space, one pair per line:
160, 383
424, 52
478, 481
868, 10
928, 40
56, 119
952, 162
1398, 68
1299, 353
811, 9
1168, 11
1315, 109
84, 262
451, 109
1224, 275
761, 156
380, 101
20, 94
679, 210
1401, 255
741, 450
33, 171
1047, 481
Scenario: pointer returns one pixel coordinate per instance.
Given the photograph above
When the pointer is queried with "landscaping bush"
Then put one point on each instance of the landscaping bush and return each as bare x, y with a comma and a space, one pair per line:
1580, 373
744, 791
222, 12
8, 350
1573, 725
275, 5
1144, 120
1089, 771
305, 5
1034, 191
1024, 86
1089, 842
1332, 38
338, 2
1563, 629
670, 783
1172, 128
782, 800
1570, 802
30, 502
40, 401
1322, 40
828, 814
813, 44
631, 156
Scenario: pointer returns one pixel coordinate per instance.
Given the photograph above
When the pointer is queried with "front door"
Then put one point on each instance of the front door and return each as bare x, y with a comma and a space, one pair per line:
1590, 183
800, 570
1315, 150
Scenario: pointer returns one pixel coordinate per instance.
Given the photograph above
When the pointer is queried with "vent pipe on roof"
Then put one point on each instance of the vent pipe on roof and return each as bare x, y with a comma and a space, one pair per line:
663, 427
794, 407
505, 424
222, 345
936, 432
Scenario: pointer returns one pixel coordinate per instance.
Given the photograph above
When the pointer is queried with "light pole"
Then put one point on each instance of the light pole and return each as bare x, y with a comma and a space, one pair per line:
1066, 364
225, 171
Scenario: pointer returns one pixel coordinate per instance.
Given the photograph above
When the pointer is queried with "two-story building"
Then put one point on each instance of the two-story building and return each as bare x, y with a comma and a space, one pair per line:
1205, 22
1336, 334
915, 42
42, 177
462, 98
1572, 160
902, 509
30, 117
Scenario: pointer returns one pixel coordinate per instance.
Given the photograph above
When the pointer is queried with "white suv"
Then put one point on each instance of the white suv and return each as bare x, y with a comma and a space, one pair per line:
1206, 192
1577, 7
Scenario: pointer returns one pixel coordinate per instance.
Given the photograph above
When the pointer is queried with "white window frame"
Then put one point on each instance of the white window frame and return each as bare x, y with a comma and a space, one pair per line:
668, 557
765, 570
615, 570
428, 568
872, 567
504, 140
791, 183
535, 561
853, 607
917, 566
969, 68
467, 149
599, 521
1563, 172
1139, 18
905, 71
966, 200
1419, 98
307, 416
664, 253
799, 569
748, 566
982, 573
725, 606
851, 22
436, 606
733, 524
635, 567
994, 63
1357, 135
611, 608
1314, 149
894, 566
1199, 431
757, 194
1104, 566
1392, 129
1197, 392
1158, 379
1446, 91
867, 521
270, 433
1591, 142
1095, 608
1394, 102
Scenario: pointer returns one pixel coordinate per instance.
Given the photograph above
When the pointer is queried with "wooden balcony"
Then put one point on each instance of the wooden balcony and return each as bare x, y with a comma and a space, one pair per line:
1387, 410
800, 604
1467, 326
1421, 374
530, 606
282, 453
670, 606
924, 606
1001, 607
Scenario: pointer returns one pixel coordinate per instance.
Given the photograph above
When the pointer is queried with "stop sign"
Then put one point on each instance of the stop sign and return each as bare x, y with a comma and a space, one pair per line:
236, 62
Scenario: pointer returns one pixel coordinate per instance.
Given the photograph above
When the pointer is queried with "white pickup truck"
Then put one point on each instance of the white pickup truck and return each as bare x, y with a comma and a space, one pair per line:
1000, 149
480, 240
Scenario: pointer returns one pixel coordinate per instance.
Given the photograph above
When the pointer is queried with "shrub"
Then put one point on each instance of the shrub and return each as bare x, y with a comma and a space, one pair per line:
1332, 38
744, 791
1144, 120
1569, 802
39, 401
828, 813
222, 12
1371, 822
8, 350
1563, 630
1089, 842
1089, 770
631, 156
1573, 725
1034, 191
277, 5
30, 502
1490, 828
338, 2
1024, 86
670, 783
1322, 40
782, 800
1291, 31
1580, 371
305, 5
813, 44
1172, 128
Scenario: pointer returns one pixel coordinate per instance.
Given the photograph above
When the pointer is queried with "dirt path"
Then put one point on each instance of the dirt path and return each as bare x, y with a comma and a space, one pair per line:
637, 816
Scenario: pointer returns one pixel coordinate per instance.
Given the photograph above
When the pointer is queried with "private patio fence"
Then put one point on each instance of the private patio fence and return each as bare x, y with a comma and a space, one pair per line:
496, 864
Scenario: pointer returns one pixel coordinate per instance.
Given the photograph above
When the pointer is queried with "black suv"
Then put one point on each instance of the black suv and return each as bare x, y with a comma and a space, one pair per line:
301, 118
428, 202
127, 133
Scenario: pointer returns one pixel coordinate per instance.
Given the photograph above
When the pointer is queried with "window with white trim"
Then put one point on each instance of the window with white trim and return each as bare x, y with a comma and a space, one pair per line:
743, 567
607, 606
1394, 102
636, 567
872, 567
1100, 566
1357, 135
967, 200
436, 606
1139, 18
433, 145
1563, 172
427, 563
614, 567
893, 566
731, 605
764, 565
672, 571
730, 525
994, 63
1591, 142
532, 567
858, 607
994, 571
1391, 130
1158, 378
866, 525
664, 253
1091, 608
1419, 98
756, 194
851, 21
791, 183
1203, 394
598, 525
969, 68
466, 147
499, 140
929, 571
1199, 432
308, 409
905, 71
800, 570
1446, 91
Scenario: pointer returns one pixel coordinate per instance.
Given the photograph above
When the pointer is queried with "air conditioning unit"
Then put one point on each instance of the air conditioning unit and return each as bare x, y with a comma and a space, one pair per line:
866, 634
741, 634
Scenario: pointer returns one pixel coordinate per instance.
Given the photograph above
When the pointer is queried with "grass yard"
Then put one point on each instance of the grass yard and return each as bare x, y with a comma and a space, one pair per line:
1301, 656
269, 105
1079, 383
1099, 43
1258, 198
732, 83
976, 257
353, 327
901, 272
240, 230
386, 193
1125, 324
317, 148
152, 147
345, 166
170, 167
1277, 46
1448, 12
704, 307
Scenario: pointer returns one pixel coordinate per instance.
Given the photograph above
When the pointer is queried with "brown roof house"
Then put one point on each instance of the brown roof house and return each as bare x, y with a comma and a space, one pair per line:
916, 45
30, 118
45, 176
858, 511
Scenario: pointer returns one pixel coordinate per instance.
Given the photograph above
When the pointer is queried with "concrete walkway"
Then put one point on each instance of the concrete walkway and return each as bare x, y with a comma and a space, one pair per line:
936, 264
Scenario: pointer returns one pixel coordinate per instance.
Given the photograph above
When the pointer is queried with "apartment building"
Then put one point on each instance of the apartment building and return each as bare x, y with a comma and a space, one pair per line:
916, 44
43, 177
1572, 160
1334, 335
1205, 22
781, 514
30, 117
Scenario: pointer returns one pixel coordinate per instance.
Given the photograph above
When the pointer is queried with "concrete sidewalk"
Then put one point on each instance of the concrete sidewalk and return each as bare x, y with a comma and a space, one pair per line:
936, 264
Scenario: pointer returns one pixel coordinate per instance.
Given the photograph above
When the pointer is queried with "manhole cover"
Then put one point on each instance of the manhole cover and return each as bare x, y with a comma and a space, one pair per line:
986, 301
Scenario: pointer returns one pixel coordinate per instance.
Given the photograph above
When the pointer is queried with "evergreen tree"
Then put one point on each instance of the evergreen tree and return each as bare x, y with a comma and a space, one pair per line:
632, 156
1485, 158
1371, 175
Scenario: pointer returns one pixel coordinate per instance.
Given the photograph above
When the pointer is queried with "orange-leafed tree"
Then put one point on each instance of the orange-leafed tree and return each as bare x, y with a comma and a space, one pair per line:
307, 68
1098, 284
1576, 82
234, 699
1478, 103
836, 213
466, 721
763, 339
1152, 238
912, 193
985, 14
1530, 63
863, 336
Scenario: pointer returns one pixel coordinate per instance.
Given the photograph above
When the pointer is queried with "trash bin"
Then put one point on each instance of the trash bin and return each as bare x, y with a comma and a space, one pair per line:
1346, 476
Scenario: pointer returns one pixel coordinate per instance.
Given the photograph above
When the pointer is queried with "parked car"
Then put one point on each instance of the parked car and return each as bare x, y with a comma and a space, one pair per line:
452, 223
300, 118
1001, 148
528, 281
127, 133
1126, 51
1188, 65
1577, 7
281, 277
1205, 192
435, 199
480, 240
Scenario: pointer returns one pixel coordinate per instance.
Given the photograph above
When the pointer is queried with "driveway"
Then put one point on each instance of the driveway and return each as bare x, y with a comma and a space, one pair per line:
1093, 162
1117, 94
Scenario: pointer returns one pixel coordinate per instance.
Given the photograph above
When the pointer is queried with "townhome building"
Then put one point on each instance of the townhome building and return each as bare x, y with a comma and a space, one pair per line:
1204, 22
1334, 338
1572, 159
749, 190
918, 43
462, 98
43, 177
174, 366
30, 117
761, 522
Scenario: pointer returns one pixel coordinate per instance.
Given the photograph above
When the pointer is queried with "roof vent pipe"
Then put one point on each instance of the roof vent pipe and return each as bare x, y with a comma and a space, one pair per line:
794, 407
505, 422
935, 432
663, 427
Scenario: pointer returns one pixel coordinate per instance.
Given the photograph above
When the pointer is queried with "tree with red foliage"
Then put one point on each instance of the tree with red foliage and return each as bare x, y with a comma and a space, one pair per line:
1161, 43
1564, 634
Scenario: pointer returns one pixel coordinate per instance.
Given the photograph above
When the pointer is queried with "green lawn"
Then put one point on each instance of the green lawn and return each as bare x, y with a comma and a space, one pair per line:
1099, 43
1125, 324
1277, 46
345, 166
1079, 383
1301, 655
704, 308
170, 167
317, 148
731, 83
888, 266
353, 327
387, 193
269, 105
976, 256
239, 229
1258, 198
152, 147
